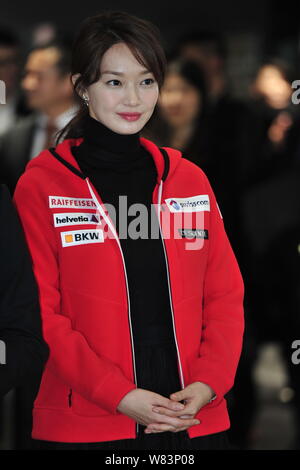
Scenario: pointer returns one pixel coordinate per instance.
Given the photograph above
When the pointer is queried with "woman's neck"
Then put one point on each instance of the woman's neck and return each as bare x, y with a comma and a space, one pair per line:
181, 135
97, 135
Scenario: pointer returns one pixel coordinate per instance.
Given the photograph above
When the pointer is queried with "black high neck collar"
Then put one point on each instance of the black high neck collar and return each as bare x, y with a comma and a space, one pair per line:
97, 135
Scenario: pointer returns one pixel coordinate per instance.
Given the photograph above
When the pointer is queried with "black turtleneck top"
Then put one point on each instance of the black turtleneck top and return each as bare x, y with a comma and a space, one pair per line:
118, 165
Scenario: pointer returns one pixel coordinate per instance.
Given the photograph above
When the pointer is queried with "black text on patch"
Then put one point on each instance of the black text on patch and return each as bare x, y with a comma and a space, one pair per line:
75, 218
193, 233
81, 237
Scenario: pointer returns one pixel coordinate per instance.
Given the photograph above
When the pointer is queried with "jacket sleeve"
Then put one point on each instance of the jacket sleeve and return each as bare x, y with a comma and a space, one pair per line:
71, 358
223, 313
23, 350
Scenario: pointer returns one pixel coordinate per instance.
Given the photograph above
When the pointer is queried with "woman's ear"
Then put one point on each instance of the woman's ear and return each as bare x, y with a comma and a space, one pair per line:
80, 90
74, 78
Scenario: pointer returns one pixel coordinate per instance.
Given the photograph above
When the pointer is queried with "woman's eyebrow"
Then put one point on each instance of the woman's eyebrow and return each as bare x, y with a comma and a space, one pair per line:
111, 72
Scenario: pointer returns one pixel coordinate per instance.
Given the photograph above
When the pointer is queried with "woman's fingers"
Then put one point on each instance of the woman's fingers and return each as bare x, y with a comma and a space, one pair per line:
160, 401
166, 411
171, 424
161, 427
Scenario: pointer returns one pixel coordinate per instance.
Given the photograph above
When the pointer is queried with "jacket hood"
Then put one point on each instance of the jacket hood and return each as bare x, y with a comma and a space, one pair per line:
166, 159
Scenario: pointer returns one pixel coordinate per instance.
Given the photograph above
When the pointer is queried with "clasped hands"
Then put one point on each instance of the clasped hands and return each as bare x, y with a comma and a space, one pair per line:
161, 414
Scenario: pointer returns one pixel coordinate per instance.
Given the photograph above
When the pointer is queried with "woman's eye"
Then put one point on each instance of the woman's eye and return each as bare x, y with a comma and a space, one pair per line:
115, 82
149, 80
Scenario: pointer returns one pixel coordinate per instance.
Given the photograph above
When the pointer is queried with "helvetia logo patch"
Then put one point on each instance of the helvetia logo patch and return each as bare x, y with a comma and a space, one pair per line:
193, 233
81, 237
75, 218
191, 204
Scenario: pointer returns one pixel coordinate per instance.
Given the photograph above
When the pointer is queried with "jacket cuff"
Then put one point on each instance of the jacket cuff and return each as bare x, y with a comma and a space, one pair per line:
110, 392
202, 371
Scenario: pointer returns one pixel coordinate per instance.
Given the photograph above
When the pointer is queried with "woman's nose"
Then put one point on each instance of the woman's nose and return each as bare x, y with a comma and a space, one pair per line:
132, 96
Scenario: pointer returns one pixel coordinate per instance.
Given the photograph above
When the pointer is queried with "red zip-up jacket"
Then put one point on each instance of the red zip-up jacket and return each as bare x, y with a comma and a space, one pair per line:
85, 304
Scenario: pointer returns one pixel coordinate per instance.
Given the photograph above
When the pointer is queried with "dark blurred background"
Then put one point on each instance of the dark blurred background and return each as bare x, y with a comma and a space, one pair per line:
228, 105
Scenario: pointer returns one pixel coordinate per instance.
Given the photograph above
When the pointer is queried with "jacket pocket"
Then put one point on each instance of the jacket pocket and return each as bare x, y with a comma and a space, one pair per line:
52, 394
70, 398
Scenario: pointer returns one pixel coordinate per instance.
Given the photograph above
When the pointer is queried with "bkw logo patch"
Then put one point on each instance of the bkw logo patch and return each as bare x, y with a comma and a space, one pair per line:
81, 237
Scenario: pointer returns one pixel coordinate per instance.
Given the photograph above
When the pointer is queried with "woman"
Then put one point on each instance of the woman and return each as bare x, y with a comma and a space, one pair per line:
22, 349
136, 324
180, 119
184, 119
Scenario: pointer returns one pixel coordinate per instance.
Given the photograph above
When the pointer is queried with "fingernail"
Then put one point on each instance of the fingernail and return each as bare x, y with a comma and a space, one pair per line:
179, 406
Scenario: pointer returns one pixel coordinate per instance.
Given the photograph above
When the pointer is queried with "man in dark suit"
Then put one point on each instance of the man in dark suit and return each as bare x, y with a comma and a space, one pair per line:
49, 92
23, 350
12, 103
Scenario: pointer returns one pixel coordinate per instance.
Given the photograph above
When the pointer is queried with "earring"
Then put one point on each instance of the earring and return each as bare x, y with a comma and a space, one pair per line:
86, 100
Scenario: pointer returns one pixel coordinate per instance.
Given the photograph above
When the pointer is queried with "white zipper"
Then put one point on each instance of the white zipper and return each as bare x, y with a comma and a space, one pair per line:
111, 226
170, 294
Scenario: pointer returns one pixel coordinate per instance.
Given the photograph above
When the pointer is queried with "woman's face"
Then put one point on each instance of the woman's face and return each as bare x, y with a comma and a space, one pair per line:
125, 96
179, 101
273, 87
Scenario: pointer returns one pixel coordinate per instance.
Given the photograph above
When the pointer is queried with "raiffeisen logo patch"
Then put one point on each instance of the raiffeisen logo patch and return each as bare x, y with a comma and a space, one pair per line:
81, 237
59, 202
198, 203
75, 218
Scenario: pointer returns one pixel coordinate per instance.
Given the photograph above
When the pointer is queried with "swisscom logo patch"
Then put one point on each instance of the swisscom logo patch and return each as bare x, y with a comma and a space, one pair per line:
81, 237
191, 204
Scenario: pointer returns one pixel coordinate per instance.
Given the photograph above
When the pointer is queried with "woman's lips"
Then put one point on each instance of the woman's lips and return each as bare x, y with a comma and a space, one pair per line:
130, 116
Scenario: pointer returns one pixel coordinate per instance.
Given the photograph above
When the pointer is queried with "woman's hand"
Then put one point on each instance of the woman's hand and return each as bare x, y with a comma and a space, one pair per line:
195, 395
139, 403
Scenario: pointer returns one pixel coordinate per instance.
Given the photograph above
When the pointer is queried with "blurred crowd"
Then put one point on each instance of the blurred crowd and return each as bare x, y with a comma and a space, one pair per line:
249, 149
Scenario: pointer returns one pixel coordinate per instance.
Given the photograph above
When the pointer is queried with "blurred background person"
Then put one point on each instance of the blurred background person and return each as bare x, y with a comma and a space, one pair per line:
226, 120
182, 107
207, 49
25, 351
271, 208
48, 91
14, 105
212, 138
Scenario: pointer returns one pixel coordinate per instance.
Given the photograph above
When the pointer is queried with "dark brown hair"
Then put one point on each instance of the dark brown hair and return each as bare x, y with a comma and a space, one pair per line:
96, 35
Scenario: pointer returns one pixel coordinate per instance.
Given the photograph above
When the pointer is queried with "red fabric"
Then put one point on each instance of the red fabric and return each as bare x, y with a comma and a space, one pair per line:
84, 304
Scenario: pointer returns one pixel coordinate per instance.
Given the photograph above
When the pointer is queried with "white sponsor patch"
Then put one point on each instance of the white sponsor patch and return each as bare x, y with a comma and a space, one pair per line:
81, 237
75, 218
191, 204
61, 201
